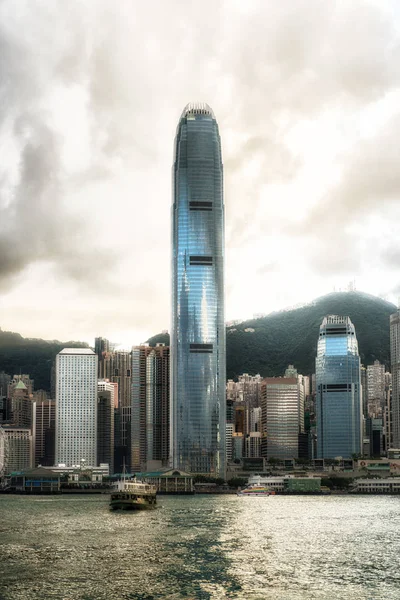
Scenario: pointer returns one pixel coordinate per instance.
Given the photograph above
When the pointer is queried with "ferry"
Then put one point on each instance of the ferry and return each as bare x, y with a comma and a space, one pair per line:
132, 494
256, 490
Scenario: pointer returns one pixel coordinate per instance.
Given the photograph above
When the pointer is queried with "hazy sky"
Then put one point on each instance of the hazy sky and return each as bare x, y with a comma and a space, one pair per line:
307, 97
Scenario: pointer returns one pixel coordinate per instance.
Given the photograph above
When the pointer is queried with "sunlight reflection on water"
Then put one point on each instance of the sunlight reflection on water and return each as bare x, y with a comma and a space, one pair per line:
203, 547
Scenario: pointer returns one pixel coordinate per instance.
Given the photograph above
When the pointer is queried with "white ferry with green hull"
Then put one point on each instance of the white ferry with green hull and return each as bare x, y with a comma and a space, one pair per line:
131, 494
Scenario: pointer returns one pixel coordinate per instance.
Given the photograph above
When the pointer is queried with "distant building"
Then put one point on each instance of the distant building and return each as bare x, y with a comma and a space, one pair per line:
15, 449
5, 380
395, 364
229, 446
101, 346
339, 409
116, 366
105, 423
150, 407
282, 419
76, 407
21, 404
26, 380
44, 430
376, 382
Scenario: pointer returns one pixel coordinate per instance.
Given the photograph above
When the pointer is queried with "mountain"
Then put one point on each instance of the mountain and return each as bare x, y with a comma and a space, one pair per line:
32, 356
268, 344
265, 345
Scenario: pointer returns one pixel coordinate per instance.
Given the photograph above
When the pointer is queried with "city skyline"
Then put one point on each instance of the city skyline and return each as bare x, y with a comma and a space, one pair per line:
88, 119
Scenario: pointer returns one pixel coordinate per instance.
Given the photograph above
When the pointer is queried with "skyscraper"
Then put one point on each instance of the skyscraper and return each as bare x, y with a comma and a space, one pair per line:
395, 362
43, 432
198, 329
150, 407
116, 366
76, 407
105, 423
338, 403
282, 417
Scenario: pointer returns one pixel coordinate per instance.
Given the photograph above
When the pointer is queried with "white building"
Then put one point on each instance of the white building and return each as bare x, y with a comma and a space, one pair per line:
76, 407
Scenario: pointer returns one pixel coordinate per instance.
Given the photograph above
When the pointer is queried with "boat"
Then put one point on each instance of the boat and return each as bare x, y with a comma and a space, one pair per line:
132, 494
256, 490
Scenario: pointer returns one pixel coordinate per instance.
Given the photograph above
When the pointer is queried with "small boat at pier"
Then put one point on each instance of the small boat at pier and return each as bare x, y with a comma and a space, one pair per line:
256, 490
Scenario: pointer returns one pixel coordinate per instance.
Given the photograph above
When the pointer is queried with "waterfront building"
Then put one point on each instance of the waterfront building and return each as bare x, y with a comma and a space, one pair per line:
395, 364
15, 449
282, 419
44, 429
105, 423
338, 405
198, 361
150, 407
76, 407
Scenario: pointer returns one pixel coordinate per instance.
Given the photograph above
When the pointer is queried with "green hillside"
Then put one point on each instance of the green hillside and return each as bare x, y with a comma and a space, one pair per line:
291, 336
277, 340
32, 356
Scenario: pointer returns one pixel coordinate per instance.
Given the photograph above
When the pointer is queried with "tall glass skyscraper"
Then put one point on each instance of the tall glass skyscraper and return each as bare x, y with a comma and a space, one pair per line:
198, 328
338, 407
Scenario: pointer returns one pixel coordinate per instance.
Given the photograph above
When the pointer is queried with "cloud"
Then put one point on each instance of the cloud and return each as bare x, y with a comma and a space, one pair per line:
90, 95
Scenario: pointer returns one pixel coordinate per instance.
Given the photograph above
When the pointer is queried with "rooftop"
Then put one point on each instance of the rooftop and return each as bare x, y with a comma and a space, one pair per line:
197, 108
77, 351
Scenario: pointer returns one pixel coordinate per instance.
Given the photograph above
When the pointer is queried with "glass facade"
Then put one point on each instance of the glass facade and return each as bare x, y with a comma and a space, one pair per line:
339, 412
198, 327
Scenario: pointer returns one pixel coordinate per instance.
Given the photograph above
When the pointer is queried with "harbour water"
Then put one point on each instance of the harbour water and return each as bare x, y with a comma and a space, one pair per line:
201, 547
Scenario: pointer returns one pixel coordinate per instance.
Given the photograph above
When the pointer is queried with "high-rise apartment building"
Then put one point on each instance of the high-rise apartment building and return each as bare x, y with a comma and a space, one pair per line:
150, 407
395, 364
76, 407
198, 362
281, 418
338, 403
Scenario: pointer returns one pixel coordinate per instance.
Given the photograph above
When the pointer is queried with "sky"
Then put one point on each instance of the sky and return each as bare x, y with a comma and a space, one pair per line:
307, 97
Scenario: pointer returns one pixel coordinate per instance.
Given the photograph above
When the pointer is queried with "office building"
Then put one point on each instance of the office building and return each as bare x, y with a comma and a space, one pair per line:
116, 366
150, 407
338, 402
198, 362
15, 449
281, 418
376, 384
105, 423
5, 381
21, 404
395, 364
76, 407
44, 430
